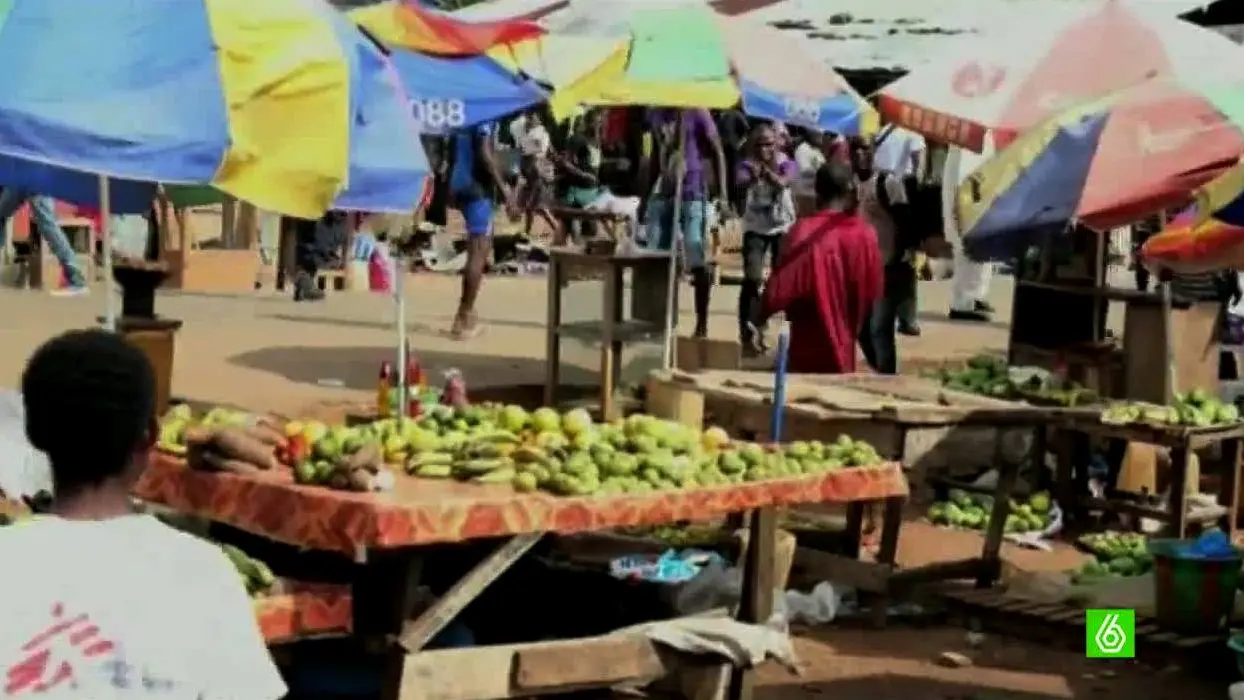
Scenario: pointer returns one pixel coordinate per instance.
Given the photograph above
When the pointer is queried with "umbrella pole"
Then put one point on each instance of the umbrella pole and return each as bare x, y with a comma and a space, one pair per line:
676, 236
399, 305
105, 241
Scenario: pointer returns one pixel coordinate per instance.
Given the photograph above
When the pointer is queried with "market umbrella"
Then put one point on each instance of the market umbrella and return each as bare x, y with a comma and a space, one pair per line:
1191, 243
690, 56
1107, 162
280, 104
420, 28
1008, 80
449, 92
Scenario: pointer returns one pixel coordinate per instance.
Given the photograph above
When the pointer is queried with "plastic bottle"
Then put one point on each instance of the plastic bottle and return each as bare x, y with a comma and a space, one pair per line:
383, 386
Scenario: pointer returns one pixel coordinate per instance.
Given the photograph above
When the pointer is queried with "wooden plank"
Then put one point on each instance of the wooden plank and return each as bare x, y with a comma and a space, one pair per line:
416, 634
491, 672
861, 575
759, 576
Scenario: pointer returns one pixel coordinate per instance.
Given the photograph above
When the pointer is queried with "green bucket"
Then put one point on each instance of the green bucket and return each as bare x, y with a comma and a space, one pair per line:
1193, 595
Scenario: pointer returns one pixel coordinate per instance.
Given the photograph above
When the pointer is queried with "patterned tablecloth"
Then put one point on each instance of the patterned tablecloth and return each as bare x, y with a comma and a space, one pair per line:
304, 610
426, 511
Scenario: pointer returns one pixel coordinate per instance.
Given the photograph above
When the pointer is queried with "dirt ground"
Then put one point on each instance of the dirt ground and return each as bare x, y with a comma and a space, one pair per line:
264, 352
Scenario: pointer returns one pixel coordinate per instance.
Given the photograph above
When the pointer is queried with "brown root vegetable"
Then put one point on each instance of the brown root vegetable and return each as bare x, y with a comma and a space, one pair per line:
360, 480
266, 434
340, 480
236, 443
212, 461
197, 435
369, 458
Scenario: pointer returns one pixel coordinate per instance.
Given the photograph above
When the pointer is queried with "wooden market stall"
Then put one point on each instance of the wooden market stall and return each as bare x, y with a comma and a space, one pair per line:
909, 420
388, 536
1166, 347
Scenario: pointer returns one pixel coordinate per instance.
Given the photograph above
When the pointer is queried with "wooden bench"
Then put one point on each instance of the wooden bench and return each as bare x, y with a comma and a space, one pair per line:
570, 215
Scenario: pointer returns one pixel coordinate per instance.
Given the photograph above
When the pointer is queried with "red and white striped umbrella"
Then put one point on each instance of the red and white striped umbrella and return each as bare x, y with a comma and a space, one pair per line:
1010, 80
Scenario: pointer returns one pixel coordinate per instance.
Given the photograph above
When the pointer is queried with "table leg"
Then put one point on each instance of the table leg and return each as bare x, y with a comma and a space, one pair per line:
758, 579
854, 533
385, 594
991, 552
1177, 508
1229, 486
552, 342
608, 347
887, 552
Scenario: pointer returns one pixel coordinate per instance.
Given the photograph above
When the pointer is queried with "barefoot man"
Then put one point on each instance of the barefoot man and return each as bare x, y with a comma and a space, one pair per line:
476, 185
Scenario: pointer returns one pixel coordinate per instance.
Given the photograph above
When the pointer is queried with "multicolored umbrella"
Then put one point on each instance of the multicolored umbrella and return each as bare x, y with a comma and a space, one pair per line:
448, 92
408, 24
1191, 243
1007, 81
689, 56
282, 103
1105, 163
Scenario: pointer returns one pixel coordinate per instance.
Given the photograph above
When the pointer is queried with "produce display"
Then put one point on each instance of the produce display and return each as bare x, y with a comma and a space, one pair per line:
1197, 409
543, 450
1116, 554
989, 375
256, 575
568, 454
972, 511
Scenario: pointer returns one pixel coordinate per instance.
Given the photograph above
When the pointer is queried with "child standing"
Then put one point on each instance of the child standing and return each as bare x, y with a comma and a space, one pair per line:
537, 173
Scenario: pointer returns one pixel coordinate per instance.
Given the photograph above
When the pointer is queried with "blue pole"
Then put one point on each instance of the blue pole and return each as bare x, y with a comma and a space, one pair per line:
779, 384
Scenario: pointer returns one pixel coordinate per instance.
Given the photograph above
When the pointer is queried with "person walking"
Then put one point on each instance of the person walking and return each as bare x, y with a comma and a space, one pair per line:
476, 183
765, 178
901, 153
883, 203
47, 228
828, 279
702, 152
970, 284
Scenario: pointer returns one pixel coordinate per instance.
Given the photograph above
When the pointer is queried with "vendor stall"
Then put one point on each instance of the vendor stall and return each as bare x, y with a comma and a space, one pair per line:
910, 419
389, 534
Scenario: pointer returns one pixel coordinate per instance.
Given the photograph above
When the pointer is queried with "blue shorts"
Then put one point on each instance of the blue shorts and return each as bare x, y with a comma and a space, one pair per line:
694, 215
477, 212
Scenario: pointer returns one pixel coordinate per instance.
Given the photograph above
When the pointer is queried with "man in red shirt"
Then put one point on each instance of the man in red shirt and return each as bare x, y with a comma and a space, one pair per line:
828, 277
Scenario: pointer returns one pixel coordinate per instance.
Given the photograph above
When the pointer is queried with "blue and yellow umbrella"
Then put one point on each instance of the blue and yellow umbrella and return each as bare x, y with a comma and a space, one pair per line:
281, 103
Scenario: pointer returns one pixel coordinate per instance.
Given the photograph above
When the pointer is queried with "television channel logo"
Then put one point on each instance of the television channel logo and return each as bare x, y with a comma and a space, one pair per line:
1110, 634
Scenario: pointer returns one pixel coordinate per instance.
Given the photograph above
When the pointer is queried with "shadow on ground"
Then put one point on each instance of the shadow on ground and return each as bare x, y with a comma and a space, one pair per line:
414, 326
901, 663
358, 367
942, 319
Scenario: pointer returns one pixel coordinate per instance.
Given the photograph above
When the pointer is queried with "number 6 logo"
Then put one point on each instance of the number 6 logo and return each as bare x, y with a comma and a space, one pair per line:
439, 115
803, 111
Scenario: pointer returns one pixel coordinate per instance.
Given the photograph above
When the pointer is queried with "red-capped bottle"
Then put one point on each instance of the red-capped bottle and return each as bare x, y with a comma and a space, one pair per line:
384, 385
455, 392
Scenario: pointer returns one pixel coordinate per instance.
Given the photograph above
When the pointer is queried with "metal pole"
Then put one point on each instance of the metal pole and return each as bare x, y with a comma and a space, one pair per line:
399, 305
676, 241
105, 237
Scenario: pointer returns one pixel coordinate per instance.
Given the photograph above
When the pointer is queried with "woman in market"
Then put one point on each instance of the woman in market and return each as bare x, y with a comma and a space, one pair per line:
127, 603
765, 179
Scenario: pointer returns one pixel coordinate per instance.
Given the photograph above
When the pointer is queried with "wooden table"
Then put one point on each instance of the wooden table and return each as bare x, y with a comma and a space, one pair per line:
1071, 484
385, 534
646, 322
882, 410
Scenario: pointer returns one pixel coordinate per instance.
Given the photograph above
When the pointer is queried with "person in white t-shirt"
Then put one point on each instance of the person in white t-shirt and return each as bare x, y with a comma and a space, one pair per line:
899, 151
809, 156
100, 602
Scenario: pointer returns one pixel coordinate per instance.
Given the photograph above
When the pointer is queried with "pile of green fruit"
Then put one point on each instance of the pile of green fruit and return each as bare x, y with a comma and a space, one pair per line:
989, 375
1116, 554
256, 575
568, 454
972, 511
340, 457
1197, 409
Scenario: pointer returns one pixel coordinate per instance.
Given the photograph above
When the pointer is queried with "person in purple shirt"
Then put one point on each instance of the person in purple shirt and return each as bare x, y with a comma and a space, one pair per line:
765, 178
700, 140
